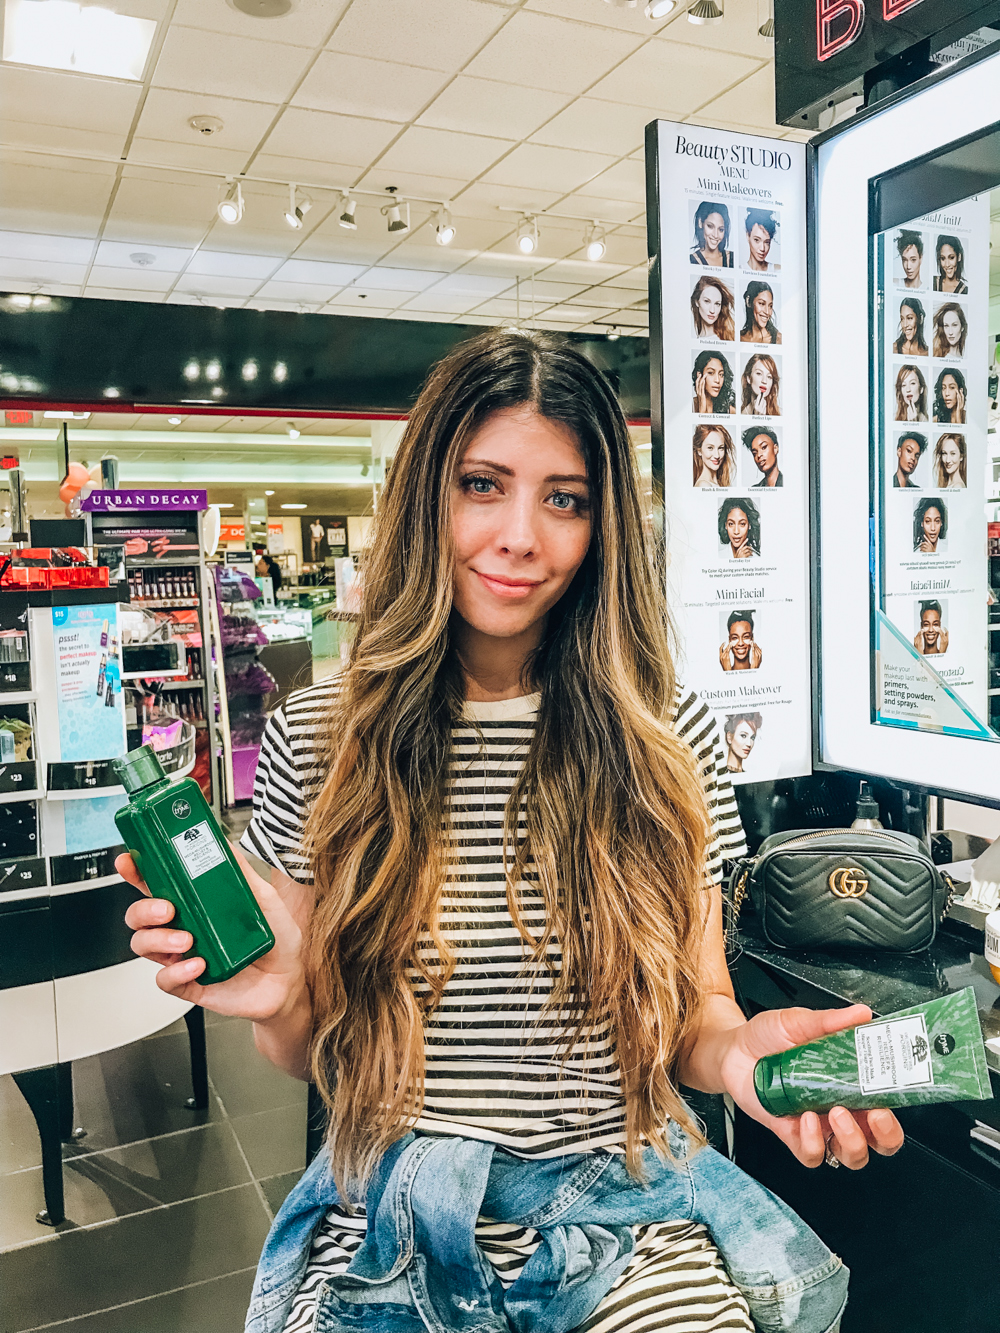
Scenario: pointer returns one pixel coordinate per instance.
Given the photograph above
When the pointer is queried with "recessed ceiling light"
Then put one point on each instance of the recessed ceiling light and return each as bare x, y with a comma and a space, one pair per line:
527, 235
280, 372
224, 504
249, 370
293, 506
263, 9
112, 393
174, 421
85, 39
269, 492
230, 209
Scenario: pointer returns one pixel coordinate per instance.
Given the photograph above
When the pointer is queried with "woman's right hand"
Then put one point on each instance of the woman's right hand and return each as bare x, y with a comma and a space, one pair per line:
269, 988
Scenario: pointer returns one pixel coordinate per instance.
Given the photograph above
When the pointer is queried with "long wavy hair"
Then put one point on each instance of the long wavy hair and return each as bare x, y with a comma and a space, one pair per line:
916, 306
771, 407
724, 326
942, 347
941, 477
920, 405
726, 399
726, 474
616, 823
754, 290
954, 416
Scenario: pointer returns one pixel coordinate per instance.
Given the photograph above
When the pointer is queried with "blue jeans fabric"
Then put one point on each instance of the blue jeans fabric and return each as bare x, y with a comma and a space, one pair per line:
419, 1269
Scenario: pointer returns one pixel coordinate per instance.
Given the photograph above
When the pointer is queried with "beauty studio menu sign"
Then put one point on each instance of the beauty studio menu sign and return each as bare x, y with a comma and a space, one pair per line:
729, 274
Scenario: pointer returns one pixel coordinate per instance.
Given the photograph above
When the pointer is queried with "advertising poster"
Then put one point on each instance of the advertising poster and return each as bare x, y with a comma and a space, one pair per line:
933, 278
732, 300
323, 538
88, 682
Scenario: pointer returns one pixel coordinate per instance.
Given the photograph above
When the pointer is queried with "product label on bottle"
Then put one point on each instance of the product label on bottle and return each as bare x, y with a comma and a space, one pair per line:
893, 1056
198, 849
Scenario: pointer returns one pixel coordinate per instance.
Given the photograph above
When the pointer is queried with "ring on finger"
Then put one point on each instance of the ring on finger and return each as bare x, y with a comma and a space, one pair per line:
830, 1157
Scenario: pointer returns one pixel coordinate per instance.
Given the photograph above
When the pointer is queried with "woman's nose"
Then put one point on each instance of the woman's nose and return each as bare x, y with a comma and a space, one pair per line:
518, 533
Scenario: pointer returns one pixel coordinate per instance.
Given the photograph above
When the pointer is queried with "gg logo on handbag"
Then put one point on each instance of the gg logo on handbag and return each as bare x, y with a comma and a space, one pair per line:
847, 882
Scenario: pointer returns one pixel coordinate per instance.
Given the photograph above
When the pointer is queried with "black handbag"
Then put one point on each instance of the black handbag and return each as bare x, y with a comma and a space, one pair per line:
844, 889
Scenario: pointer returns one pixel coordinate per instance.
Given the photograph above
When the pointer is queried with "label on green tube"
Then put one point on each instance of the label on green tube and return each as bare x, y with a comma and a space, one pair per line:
893, 1055
198, 849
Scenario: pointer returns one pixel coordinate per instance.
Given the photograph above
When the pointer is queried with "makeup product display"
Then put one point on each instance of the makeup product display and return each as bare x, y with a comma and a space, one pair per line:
182, 853
931, 1053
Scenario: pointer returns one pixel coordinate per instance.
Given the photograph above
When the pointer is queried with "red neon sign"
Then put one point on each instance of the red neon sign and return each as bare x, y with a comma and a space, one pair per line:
838, 24
893, 8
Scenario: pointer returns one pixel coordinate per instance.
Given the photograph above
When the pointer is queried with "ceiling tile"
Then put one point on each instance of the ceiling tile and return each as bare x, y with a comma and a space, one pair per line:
55, 199
121, 294
611, 297
230, 66
607, 16
164, 258
485, 200
749, 104
314, 271
437, 34
672, 79
153, 208
373, 298
307, 25
306, 171
485, 106
532, 165
636, 277
226, 263
30, 134
299, 293
356, 86
204, 284
569, 270
739, 32
41, 272
474, 285
539, 51
554, 291
166, 113
444, 152
445, 303
604, 127
28, 245
199, 156
132, 279
400, 279
52, 97
625, 180
322, 136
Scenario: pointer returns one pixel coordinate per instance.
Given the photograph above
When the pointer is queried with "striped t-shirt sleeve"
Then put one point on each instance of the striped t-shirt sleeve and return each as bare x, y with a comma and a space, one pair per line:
695, 723
276, 829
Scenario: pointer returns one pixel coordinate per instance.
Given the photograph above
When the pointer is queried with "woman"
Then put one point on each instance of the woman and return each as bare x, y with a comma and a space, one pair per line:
759, 325
740, 652
949, 398
711, 236
739, 528
505, 749
712, 378
911, 395
712, 309
741, 734
760, 386
911, 340
949, 462
930, 525
268, 568
950, 329
951, 266
713, 456
931, 638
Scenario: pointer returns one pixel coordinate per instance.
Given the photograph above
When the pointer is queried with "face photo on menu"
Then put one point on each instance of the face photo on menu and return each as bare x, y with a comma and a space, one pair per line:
911, 393
909, 259
950, 465
761, 316
930, 625
951, 329
711, 238
738, 528
760, 385
713, 315
761, 457
739, 639
713, 390
760, 240
930, 526
905, 461
740, 732
949, 253
713, 456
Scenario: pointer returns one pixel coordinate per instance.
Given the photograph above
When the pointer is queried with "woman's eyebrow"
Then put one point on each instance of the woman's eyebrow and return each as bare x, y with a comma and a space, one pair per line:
509, 471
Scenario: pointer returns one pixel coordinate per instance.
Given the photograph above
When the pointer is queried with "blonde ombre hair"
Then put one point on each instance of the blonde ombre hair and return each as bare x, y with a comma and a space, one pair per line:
616, 820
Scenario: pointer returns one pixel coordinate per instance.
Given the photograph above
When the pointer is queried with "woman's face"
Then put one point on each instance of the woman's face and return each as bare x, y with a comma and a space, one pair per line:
712, 451
951, 457
948, 260
741, 639
908, 322
709, 305
715, 377
930, 625
520, 517
951, 326
759, 240
741, 740
763, 309
713, 229
737, 527
949, 392
910, 388
761, 379
932, 523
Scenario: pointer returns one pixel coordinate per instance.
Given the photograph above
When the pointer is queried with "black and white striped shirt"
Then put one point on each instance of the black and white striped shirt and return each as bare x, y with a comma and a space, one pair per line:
496, 1064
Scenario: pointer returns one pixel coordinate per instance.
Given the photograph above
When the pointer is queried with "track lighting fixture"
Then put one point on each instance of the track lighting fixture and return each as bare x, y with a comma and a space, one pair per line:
595, 243
391, 212
659, 9
766, 29
705, 12
298, 207
346, 219
230, 207
444, 231
527, 234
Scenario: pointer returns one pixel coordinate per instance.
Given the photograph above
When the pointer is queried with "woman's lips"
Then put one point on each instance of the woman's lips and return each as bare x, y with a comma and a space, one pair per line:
501, 586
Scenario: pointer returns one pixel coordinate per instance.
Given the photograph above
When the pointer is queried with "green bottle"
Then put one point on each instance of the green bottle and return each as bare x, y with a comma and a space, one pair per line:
183, 856
931, 1053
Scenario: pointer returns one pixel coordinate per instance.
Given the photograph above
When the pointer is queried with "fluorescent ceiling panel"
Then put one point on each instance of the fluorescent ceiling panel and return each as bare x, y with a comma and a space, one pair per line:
85, 39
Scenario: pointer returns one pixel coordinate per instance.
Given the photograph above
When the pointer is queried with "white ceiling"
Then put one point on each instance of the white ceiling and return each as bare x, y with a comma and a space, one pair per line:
526, 104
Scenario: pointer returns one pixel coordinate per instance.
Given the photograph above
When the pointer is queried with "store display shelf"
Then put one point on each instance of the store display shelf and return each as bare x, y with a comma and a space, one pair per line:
117, 592
11, 797
17, 697
165, 603
88, 794
182, 684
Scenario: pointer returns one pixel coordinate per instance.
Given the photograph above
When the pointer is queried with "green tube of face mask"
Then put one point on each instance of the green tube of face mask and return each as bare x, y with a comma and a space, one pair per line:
931, 1053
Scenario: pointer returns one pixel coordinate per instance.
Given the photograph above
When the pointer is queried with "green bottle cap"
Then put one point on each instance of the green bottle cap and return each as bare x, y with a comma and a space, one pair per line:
139, 768
768, 1086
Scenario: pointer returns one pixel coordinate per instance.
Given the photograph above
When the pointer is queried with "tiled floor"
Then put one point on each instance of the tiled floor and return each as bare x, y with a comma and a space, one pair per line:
166, 1208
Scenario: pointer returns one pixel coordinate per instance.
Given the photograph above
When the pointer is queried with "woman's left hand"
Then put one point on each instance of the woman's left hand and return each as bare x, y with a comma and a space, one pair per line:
850, 1134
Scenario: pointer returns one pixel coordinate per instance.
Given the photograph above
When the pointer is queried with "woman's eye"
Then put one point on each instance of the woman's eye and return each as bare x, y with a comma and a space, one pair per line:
566, 500
478, 485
